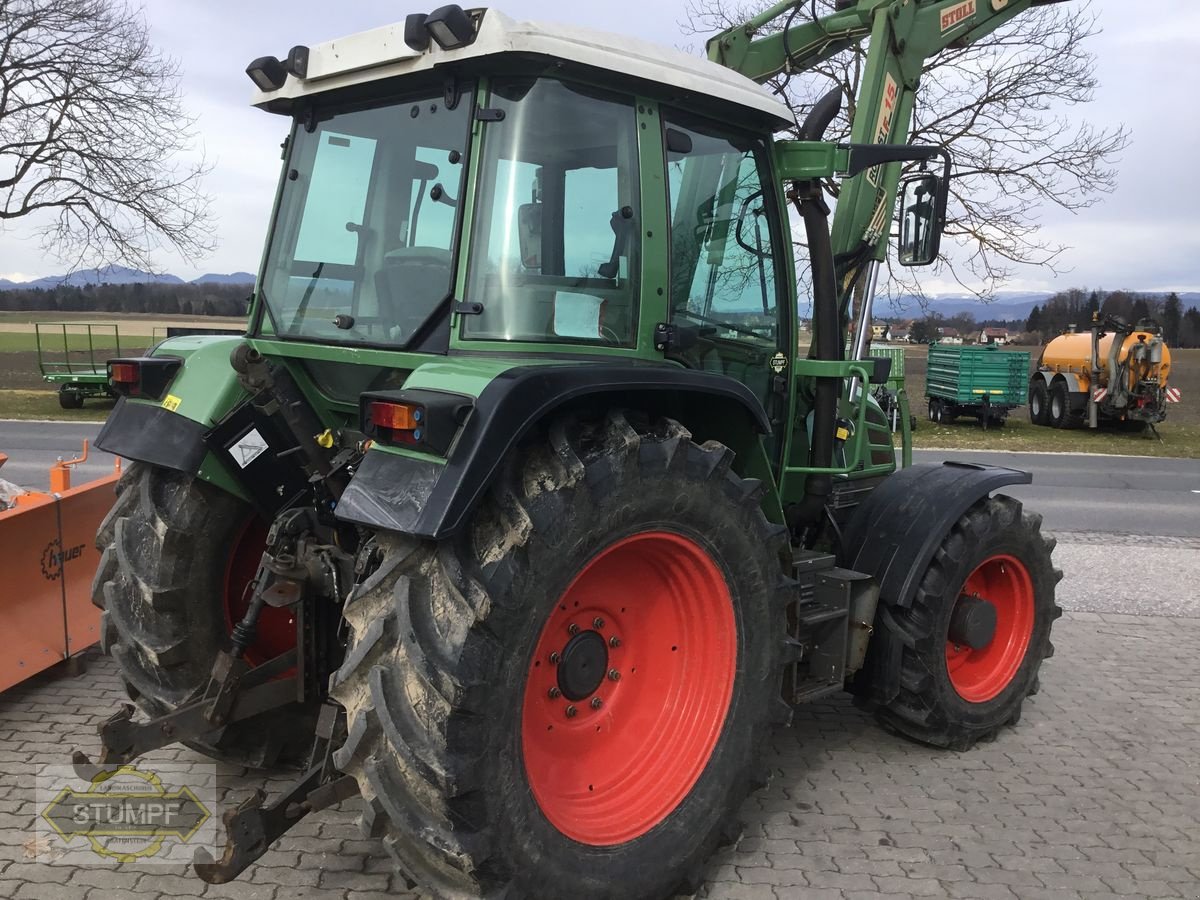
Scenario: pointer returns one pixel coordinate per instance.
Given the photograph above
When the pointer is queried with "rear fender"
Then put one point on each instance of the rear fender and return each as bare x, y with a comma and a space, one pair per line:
1075, 384
170, 432
427, 497
893, 537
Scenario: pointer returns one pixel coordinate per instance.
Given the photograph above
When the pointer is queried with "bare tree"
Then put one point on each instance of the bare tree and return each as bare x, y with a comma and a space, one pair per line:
93, 135
1003, 106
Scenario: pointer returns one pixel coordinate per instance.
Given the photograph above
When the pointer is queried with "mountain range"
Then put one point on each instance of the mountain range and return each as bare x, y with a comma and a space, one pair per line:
120, 275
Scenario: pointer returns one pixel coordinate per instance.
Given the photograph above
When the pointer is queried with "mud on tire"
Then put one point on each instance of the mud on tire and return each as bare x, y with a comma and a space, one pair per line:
928, 707
443, 637
160, 584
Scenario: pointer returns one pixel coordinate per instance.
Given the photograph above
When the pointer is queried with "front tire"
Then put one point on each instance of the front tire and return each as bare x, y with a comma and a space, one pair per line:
503, 752
1039, 399
173, 549
952, 692
70, 399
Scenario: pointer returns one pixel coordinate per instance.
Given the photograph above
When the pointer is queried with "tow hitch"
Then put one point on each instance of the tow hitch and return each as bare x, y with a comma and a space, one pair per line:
303, 569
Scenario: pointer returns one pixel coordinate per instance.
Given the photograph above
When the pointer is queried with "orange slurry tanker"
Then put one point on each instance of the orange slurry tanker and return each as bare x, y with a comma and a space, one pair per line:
1114, 374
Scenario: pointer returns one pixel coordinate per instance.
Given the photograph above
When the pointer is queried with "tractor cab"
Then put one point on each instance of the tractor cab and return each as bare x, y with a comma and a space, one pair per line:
523, 189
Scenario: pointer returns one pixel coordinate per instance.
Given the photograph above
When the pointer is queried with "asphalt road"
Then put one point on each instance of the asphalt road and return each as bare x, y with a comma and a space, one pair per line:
1075, 493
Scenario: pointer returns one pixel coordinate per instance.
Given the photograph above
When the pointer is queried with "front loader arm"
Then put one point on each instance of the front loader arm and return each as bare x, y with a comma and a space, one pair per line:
902, 35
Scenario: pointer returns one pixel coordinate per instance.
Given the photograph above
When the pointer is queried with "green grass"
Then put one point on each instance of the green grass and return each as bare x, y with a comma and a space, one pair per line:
1179, 441
44, 405
53, 344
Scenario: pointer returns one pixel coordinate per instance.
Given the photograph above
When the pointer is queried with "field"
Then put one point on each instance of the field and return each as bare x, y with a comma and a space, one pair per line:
23, 394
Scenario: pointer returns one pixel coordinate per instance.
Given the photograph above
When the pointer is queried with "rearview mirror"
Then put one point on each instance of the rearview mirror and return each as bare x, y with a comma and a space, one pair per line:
922, 204
529, 233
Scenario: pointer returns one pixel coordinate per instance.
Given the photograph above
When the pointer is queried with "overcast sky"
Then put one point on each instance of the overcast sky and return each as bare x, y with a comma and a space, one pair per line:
1144, 236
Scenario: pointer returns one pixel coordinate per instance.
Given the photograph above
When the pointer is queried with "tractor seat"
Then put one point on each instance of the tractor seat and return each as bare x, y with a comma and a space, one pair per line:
411, 283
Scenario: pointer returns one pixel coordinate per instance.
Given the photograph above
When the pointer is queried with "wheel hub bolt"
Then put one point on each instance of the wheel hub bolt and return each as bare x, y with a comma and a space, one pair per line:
554, 693
571, 712
572, 628
554, 658
597, 703
614, 641
597, 622
614, 675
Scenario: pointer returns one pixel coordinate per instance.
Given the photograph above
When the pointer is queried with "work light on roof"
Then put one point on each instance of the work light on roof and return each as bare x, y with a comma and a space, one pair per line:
269, 74
450, 26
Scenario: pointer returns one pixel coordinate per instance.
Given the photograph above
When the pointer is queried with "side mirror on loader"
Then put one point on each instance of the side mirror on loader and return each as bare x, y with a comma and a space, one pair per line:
922, 215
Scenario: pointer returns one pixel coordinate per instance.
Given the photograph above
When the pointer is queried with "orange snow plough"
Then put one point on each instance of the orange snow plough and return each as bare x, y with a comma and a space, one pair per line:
47, 560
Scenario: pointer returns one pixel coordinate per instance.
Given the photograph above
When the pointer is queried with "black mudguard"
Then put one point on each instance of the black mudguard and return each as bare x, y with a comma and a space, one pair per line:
431, 500
894, 535
151, 434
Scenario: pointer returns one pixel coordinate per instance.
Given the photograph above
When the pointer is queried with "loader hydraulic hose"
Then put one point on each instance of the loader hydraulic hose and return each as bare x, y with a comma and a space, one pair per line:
828, 346
827, 342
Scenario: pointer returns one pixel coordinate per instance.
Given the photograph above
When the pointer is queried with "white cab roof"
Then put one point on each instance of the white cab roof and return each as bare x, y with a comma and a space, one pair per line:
382, 53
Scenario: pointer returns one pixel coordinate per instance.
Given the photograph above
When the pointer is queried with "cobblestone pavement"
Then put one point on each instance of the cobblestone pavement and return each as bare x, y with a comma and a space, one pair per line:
1095, 794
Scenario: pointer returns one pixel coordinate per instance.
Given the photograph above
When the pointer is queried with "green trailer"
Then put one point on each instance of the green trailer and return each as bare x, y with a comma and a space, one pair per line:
74, 357
890, 395
984, 382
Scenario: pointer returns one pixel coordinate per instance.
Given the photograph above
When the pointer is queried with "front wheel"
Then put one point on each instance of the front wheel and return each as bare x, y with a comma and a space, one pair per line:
1039, 399
974, 638
568, 699
70, 399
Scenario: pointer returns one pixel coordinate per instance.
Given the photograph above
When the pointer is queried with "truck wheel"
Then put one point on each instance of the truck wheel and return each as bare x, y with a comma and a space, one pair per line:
178, 555
1060, 405
1039, 398
974, 638
70, 399
568, 697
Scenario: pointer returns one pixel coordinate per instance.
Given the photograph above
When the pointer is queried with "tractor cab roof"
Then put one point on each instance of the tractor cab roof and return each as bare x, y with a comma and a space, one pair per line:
383, 53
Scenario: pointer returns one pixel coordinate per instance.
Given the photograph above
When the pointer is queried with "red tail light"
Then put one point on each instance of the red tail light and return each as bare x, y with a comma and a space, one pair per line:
398, 422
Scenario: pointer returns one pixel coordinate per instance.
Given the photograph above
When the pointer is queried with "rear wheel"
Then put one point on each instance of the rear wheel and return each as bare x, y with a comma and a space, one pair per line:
974, 638
568, 698
1060, 405
178, 556
1039, 398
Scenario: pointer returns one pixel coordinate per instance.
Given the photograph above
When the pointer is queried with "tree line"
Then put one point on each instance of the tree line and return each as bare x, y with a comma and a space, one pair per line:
1181, 328
157, 299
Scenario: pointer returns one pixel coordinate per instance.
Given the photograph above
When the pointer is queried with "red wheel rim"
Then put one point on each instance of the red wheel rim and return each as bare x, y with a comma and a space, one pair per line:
276, 632
979, 675
636, 745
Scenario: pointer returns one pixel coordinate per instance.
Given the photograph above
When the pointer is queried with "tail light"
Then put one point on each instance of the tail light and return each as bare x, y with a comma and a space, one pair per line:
421, 419
398, 423
144, 377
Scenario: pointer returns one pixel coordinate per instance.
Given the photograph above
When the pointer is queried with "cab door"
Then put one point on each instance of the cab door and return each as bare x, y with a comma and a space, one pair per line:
727, 284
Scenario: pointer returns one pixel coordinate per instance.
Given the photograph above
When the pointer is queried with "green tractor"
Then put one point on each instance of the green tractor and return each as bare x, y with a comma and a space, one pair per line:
516, 511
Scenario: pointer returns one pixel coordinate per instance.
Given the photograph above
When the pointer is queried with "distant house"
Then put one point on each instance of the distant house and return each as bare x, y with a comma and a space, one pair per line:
949, 336
994, 336
881, 331
901, 335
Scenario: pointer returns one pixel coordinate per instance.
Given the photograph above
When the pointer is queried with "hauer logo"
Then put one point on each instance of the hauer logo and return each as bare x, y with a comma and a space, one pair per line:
54, 558
957, 14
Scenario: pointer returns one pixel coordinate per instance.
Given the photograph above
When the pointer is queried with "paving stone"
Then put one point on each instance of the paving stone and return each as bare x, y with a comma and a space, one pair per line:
1085, 798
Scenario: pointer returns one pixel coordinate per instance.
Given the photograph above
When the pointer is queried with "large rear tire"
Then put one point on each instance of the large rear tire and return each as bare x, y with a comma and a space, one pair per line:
568, 698
177, 556
952, 692
1060, 406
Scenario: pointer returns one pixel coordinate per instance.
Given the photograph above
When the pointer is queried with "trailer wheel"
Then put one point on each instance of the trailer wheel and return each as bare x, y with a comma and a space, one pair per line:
1039, 398
974, 638
178, 554
567, 699
68, 399
1060, 405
